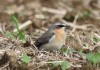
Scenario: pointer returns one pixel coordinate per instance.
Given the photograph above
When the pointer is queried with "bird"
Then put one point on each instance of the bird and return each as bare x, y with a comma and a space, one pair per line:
53, 39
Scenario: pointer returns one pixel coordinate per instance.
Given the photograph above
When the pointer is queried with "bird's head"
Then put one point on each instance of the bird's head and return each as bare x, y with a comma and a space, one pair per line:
59, 25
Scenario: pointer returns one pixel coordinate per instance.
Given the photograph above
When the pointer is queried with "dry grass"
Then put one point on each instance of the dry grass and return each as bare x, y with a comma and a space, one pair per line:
83, 16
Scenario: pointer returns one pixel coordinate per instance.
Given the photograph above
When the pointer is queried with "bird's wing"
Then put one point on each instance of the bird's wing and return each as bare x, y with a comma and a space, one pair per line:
45, 38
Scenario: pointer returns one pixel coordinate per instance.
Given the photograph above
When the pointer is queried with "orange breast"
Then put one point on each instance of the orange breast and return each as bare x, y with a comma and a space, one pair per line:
60, 35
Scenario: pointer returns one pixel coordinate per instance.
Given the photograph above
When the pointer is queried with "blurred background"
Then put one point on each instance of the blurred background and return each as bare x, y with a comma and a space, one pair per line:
41, 13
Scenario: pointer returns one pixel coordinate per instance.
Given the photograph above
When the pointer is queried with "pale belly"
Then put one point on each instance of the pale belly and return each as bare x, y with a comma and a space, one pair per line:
53, 45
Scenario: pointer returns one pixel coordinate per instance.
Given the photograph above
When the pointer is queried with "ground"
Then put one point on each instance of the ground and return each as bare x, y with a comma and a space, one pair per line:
81, 50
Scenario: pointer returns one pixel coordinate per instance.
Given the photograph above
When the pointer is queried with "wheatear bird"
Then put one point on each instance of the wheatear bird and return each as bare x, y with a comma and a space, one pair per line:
53, 39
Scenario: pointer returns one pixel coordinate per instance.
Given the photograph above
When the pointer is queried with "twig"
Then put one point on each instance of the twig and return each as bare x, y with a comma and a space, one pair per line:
98, 36
94, 42
52, 62
76, 17
2, 51
79, 40
35, 47
7, 64
22, 26
54, 11
74, 22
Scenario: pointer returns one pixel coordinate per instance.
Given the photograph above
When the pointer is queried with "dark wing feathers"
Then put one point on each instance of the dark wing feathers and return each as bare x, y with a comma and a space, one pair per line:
43, 39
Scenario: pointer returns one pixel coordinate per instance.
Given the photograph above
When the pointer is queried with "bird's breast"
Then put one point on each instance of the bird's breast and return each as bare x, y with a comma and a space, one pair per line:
60, 35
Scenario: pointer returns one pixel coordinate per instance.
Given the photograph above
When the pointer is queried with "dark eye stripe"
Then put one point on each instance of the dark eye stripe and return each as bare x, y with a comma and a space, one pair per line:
61, 26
